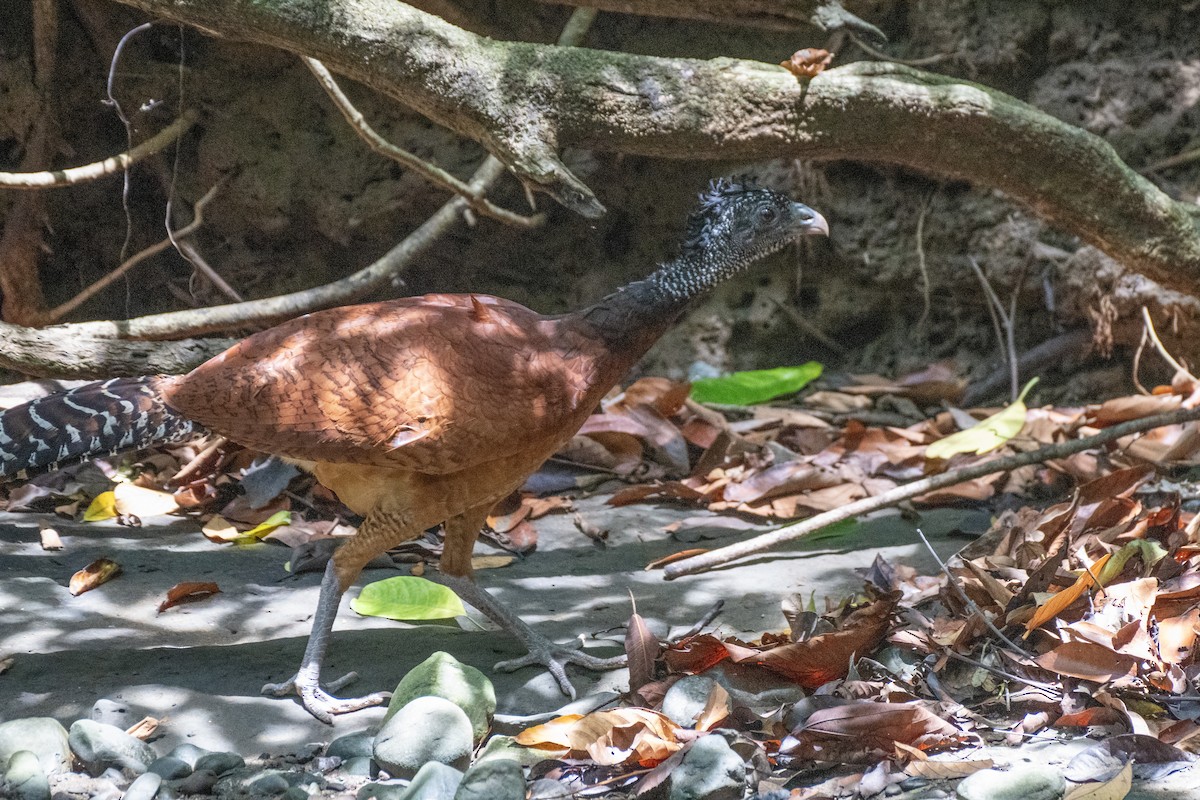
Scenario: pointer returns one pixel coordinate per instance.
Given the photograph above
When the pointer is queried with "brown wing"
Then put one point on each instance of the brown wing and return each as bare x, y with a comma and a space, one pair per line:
434, 384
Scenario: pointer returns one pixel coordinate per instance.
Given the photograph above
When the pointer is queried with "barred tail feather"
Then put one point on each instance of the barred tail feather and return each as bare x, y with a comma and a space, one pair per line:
90, 420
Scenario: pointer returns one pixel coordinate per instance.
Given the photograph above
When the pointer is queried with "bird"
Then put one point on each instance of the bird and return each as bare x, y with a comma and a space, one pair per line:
416, 411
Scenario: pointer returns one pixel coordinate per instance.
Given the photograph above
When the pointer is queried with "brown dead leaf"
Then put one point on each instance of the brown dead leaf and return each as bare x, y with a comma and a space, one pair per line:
870, 727
6, 662
946, 770
621, 736
187, 592
1177, 637
641, 649
50, 538
100, 571
1124, 409
138, 501
1115, 788
662, 394
1060, 601
659, 563
1087, 661
144, 728
808, 63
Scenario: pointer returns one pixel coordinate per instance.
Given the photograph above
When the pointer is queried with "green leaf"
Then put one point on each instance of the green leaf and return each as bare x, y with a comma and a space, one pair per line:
407, 598
755, 386
276, 520
985, 435
1150, 552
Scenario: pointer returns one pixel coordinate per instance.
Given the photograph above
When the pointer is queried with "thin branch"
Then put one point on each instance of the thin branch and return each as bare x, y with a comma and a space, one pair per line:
1177, 160
970, 604
799, 530
432, 173
921, 259
1162, 350
1003, 327
878, 54
72, 176
808, 327
60, 311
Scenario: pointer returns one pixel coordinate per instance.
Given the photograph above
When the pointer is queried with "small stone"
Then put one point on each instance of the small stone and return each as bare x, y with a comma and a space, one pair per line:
24, 777
498, 779
219, 763
426, 729
351, 745
434, 781
267, 784
295, 793
443, 675
199, 782
112, 712
43, 736
170, 768
507, 747
101, 746
144, 787
710, 770
188, 753
1020, 782
383, 791
687, 697
362, 766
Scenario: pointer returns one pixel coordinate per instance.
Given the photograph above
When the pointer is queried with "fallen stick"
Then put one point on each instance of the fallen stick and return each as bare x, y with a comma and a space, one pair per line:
798, 530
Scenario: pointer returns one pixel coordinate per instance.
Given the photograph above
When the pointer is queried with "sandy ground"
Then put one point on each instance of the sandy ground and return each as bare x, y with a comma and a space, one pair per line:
200, 666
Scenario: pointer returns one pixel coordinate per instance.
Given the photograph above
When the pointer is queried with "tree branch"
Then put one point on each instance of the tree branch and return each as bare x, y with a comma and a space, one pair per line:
525, 101
60, 352
772, 14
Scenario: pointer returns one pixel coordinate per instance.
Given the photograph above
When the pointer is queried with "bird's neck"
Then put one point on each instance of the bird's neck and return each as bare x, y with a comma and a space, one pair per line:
633, 318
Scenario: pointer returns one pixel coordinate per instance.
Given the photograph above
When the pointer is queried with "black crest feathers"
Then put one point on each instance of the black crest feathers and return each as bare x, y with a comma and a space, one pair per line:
720, 192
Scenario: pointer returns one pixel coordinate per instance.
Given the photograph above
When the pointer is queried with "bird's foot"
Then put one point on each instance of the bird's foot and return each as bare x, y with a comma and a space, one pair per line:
555, 657
319, 702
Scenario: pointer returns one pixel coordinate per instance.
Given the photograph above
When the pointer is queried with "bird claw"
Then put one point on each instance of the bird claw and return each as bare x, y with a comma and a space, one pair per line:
555, 657
319, 702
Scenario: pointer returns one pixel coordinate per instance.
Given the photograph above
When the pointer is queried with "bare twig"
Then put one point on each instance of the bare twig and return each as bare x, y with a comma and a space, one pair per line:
921, 260
798, 530
60, 311
1162, 350
1136, 367
1002, 325
60, 178
879, 55
1177, 160
812, 330
473, 195
200, 461
971, 606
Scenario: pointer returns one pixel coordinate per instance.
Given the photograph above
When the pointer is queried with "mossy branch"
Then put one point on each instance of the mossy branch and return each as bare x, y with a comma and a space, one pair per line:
525, 101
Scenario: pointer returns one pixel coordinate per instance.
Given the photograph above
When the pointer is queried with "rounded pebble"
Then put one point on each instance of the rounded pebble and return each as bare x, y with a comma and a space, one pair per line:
111, 712
362, 766
1020, 782
188, 753
219, 763
43, 736
101, 746
25, 778
498, 779
351, 745
144, 787
710, 770
687, 697
170, 767
426, 729
443, 675
199, 782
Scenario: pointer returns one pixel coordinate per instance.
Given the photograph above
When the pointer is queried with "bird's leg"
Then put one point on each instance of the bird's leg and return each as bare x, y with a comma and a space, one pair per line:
306, 682
554, 657
461, 532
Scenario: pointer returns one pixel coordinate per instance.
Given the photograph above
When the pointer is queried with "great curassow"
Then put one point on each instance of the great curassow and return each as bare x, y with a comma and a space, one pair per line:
417, 411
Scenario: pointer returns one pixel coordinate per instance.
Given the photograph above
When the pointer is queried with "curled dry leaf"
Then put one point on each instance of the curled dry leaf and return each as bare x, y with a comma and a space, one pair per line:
621, 736
187, 592
100, 571
144, 728
808, 63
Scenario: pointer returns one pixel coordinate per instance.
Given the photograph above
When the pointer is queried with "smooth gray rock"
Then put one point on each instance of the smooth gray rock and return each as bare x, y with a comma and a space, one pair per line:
426, 729
352, 745
687, 697
101, 746
24, 778
219, 763
188, 753
144, 788
498, 779
710, 771
443, 675
507, 747
434, 781
546, 789
362, 766
170, 768
43, 736
112, 712
1019, 782
199, 782
251, 783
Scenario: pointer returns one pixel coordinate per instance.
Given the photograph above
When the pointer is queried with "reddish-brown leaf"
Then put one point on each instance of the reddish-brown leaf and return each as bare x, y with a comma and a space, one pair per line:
1087, 661
808, 63
641, 648
187, 592
100, 571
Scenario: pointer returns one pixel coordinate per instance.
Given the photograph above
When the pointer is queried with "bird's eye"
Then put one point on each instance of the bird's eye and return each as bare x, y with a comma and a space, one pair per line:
767, 214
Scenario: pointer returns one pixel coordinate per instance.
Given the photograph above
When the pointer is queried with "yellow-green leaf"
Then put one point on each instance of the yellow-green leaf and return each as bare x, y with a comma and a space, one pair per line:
407, 598
102, 507
276, 520
985, 435
755, 386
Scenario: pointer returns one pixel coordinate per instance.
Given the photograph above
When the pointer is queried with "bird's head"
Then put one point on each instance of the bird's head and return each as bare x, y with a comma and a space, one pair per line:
737, 223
